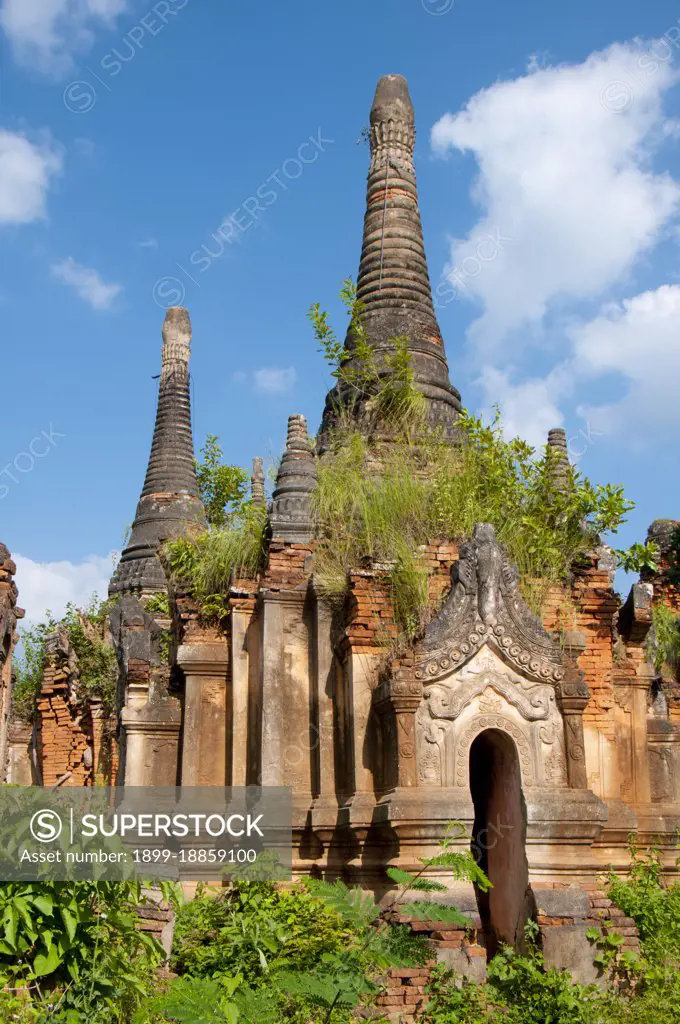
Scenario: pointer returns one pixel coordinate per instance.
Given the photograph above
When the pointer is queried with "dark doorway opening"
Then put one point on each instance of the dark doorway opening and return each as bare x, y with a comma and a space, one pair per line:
499, 838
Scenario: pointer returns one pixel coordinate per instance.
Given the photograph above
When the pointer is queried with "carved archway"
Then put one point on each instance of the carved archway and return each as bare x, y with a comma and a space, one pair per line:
499, 838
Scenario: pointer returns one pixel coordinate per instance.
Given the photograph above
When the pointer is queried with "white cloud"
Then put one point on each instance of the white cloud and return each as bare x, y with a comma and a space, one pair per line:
637, 340
87, 283
45, 34
633, 345
26, 169
148, 243
50, 586
274, 381
564, 174
531, 407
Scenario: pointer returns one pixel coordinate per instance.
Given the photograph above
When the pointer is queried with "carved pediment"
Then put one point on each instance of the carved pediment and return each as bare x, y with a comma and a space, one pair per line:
486, 607
446, 701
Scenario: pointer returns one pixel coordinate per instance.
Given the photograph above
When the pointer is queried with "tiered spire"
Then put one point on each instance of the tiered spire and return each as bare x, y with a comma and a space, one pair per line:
560, 466
169, 502
393, 284
257, 495
291, 515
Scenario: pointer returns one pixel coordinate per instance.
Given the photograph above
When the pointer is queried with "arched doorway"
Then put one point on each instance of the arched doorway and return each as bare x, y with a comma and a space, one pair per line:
498, 839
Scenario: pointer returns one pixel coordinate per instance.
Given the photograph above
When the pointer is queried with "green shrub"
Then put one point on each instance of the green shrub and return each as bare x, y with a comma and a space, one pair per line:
384, 503
75, 950
222, 488
252, 929
206, 562
86, 629
654, 905
665, 638
532, 993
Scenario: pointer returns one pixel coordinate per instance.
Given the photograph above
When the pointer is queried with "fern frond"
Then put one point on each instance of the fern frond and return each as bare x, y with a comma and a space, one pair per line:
323, 989
355, 906
401, 877
195, 1001
463, 865
257, 1006
426, 911
429, 885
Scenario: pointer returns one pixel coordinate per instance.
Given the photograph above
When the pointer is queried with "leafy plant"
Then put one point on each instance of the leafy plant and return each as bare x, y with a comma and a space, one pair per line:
380, 390
638, 557
342, 980
70, 945
86, 629
206, 562
223, 488
253, 928
665, 638
425, 489
456, 1001
533, 993
196, 1001
159, 604
29, 668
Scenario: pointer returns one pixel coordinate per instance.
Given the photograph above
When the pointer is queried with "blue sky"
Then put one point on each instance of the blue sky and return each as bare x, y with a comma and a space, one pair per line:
130, 130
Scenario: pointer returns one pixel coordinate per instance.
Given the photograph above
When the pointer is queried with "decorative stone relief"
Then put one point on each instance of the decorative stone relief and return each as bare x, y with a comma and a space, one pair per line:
486, 689
447, 701
485, 607
473, 730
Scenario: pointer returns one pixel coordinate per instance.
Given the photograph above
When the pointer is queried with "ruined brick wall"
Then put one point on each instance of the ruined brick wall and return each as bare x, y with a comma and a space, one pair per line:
561, 910
65, 748
76, 744
370, 622
9, 614
288, 565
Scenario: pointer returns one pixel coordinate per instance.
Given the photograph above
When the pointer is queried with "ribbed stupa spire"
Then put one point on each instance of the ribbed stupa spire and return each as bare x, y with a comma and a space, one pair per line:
560, 466
169, 502
393, 284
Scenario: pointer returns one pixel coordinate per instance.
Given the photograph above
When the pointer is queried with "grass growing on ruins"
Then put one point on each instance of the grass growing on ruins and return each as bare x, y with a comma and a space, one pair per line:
384, 504
206, 562
382, 500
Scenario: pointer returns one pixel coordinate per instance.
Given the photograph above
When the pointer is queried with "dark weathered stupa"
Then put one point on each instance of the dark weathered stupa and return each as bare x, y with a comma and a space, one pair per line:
393, 284
169, 501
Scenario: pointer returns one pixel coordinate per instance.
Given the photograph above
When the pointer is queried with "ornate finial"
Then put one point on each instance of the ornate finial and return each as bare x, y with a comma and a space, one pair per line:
257, 483
176, 342
560, 465
393, 132
291, 518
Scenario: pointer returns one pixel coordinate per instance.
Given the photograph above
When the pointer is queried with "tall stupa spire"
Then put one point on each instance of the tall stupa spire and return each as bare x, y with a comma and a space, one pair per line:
393, 284
169, 502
